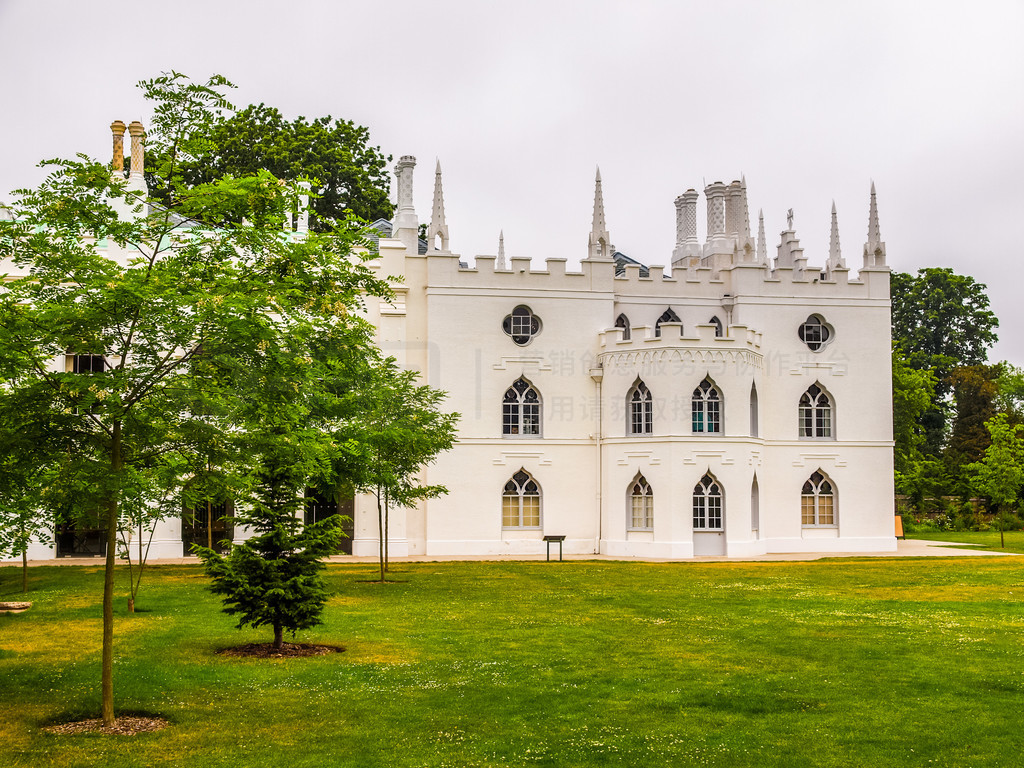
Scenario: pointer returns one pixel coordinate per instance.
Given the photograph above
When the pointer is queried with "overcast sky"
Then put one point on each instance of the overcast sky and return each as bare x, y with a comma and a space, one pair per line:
520, 101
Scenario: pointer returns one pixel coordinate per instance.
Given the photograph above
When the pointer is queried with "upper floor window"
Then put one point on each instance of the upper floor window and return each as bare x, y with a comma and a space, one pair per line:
815, 332
641, 410
520, 502
818, 502
623, 322
520, 410
522, 325
707, 505
706, 408
641, 505
719, 328
815, 413
753, 410
668, 316
85, 363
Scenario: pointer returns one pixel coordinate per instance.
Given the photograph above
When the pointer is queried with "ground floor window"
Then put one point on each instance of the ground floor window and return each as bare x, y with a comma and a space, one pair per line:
707, 505
520, 502
818, 502
209, 524
641, 505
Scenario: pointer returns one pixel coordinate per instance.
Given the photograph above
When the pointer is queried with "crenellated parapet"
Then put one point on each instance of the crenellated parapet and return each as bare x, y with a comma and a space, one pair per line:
738, 345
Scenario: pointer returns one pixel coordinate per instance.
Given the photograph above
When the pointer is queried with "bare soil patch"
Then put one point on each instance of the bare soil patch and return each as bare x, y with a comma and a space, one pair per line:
286, 651
127, 725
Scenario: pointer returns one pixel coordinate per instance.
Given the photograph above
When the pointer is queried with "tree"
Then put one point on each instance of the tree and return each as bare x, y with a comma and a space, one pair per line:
22, 519
913, 394
940, 321
350, 177
1000, 474
272, 578
136, 294
404, 430
974, 394
1010, 392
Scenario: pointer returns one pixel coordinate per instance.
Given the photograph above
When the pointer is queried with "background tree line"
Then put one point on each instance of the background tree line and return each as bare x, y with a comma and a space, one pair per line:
956, 417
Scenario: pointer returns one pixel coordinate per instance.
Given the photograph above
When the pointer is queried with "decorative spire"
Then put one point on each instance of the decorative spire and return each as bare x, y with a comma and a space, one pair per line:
835, 255
599, 245
746, 209
502, 263
874, 248
438, 226
762, 244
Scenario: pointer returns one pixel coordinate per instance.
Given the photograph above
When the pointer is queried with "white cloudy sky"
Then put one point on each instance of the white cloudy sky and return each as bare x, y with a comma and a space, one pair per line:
521, 100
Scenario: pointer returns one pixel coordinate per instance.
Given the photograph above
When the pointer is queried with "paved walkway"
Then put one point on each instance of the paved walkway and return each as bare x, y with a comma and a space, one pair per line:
904, 548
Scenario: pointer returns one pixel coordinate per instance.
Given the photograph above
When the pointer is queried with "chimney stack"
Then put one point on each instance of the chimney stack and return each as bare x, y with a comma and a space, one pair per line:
117, 128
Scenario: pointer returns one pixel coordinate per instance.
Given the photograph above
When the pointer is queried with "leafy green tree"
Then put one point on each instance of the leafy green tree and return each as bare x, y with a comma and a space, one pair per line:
941, 321
974, 395
913, 394
1010, 392
403, 430
1000, 473
22, 518
147, 291
349, 176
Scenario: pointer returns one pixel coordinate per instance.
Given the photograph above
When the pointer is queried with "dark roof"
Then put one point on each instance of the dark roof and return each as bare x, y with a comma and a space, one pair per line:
384, 227
621, 260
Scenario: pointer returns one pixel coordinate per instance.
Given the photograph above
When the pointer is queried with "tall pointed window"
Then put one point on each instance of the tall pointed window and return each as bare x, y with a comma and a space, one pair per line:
668, 316
641, 505
641, 410
706, 408
719, 329
707, 505
818, 502
753, 410
520, 502
815, 413
520, 410
623, 322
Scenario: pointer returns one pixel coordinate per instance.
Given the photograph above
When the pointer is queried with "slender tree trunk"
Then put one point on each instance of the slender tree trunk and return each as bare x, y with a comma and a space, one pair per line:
278, 636
107, 677
387, 527
380, 530
24, 570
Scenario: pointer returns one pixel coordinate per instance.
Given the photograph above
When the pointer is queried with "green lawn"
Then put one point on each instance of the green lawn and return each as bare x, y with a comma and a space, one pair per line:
986, 540
852, 662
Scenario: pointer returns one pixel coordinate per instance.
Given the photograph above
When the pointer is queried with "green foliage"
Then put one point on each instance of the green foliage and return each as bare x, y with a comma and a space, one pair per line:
974, 396
1000, 473
182, 312
1010, 392
941, 319
349, 176
913, 394
273, 577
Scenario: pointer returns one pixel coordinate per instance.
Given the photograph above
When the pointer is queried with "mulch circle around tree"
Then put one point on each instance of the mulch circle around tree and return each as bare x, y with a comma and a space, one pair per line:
126, 725
286, 651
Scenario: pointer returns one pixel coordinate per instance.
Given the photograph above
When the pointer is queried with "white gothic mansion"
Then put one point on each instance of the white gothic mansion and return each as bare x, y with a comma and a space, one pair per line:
740, 406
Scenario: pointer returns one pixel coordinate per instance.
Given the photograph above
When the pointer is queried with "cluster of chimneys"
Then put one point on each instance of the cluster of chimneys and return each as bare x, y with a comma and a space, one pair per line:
138, 134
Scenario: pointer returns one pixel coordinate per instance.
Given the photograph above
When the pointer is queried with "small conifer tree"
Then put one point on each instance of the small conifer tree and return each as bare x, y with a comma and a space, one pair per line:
273, 577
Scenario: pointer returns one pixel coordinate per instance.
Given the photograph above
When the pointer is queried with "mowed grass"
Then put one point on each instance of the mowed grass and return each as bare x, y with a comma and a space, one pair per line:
984, 540
846, 662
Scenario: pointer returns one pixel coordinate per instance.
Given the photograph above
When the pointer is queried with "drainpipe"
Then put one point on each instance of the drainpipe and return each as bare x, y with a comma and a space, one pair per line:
597, 374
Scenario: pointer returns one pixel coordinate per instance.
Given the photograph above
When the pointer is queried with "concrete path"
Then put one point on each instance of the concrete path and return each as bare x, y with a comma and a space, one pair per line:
904, 548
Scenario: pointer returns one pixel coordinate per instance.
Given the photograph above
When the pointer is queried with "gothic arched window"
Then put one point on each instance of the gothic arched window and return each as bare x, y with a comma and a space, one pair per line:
707, 505
815, 413
818, 502
706, 408
623, 322
520, 410
520, 502
641, 410
719, 329
668, 316
641, 504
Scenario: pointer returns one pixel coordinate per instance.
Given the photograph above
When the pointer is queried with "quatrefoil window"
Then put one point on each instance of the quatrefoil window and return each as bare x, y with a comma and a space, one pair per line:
522, 325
